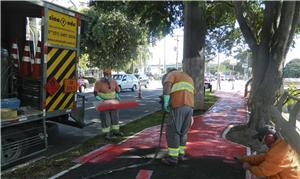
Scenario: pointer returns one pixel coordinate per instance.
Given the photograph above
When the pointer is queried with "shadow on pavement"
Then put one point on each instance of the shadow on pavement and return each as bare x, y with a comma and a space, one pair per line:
200, 168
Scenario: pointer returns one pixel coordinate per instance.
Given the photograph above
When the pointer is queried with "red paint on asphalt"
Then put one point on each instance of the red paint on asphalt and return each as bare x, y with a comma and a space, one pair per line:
94, 154
144, 174
204, 138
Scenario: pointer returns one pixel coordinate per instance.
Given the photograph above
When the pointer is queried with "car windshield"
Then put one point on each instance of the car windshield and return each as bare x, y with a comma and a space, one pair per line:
117, 77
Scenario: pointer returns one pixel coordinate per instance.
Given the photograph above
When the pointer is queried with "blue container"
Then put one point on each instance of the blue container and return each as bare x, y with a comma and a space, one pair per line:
12, 103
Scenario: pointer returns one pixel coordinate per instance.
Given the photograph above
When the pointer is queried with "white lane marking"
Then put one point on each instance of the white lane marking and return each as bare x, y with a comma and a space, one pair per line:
65, 171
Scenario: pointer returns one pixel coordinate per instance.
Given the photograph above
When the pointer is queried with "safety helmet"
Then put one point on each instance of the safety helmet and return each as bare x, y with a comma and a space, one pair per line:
266, 134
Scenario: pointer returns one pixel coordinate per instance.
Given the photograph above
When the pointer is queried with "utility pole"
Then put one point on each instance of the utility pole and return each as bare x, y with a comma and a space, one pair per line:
165, 55
177, 51
218, 73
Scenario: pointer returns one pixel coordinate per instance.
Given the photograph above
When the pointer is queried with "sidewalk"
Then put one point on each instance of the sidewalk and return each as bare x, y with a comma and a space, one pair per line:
211, 156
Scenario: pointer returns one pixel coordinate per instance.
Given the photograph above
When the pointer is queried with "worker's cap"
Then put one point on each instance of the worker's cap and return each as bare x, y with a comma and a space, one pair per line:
107, 71
261, 132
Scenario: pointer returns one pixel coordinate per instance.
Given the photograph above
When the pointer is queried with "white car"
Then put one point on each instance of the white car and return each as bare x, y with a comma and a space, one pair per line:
126, 81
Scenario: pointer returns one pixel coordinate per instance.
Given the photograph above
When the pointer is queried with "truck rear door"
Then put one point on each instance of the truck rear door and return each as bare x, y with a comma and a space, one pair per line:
61, 54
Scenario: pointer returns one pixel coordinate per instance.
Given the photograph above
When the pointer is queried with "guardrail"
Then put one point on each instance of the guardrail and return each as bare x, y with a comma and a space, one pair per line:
287, 119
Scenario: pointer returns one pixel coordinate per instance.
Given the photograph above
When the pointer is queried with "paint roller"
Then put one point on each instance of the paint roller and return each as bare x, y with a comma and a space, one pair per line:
115, 104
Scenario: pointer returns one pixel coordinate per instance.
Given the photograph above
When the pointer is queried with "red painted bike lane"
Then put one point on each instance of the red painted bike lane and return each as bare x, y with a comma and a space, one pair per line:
204, 138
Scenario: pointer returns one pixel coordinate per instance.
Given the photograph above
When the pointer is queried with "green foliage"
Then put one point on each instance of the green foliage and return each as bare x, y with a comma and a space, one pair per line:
292, 69
225, 67
254, 16
222, 34
243, 57
290, 102
112, 39
83, 61
159, 17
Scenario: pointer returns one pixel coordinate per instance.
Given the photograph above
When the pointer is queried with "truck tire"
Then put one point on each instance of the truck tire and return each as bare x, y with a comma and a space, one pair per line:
11, 145
52, 130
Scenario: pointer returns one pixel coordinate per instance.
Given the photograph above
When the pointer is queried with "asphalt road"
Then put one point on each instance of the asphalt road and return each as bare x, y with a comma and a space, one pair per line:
63, 137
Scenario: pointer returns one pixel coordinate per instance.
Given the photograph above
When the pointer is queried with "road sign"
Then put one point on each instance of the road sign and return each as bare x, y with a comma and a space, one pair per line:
52, 86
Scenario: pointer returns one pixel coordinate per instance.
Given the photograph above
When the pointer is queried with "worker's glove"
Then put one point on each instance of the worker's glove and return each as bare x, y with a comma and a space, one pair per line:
166, 100
98, 98
118, 97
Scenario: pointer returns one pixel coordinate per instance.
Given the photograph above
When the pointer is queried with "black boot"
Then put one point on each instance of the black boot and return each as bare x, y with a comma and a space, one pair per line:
171, 161
182, 158
108, 136
118, 133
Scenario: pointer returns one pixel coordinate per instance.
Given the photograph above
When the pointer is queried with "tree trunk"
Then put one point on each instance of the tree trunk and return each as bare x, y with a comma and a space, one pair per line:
193, 50
269, 50
267, 80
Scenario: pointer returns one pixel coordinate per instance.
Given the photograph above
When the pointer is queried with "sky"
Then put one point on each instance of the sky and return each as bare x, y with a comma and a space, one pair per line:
69, 3
170, 54
164, 51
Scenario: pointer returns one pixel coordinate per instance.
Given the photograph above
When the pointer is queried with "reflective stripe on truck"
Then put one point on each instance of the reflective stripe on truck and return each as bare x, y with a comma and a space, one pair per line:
61, 64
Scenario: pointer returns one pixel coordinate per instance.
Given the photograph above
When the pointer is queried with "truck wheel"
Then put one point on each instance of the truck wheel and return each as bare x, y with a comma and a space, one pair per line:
52, 131
11, 145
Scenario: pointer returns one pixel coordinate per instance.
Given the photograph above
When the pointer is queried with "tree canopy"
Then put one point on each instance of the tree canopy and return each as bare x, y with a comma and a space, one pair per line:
112, 40
162, 17
159, 17
292, 69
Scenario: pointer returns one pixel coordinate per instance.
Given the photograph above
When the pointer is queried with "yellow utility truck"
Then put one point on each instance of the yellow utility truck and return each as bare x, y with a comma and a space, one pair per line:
39, 56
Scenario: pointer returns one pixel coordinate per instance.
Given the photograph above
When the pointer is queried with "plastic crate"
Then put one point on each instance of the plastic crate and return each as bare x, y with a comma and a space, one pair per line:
11, 103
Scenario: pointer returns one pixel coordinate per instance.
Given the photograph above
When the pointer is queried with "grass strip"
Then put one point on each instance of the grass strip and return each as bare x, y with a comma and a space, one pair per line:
50, 166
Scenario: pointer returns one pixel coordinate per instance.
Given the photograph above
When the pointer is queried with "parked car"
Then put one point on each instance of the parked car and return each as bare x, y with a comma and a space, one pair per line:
82, 84
222, 77
143, 79
126, 81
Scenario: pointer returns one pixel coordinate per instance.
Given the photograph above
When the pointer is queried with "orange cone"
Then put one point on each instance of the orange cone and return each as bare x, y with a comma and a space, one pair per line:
25, 64
15, 55
37, 63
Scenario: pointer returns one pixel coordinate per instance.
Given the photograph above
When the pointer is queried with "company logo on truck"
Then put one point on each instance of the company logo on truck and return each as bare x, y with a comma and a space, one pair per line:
62, 21
62, 29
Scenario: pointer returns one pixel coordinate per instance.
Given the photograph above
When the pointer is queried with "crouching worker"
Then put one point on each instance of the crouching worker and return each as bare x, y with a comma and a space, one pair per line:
279, 162
107, 89
178, 99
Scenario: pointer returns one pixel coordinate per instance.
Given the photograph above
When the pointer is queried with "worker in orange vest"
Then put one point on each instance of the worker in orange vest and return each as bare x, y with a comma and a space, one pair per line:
107, 89
178, 99
280, 160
